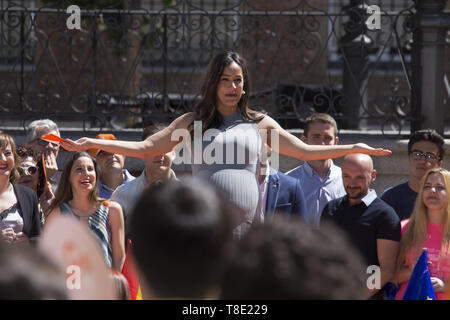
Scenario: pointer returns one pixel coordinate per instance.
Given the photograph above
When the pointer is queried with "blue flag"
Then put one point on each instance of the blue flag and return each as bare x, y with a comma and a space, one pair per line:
419, 285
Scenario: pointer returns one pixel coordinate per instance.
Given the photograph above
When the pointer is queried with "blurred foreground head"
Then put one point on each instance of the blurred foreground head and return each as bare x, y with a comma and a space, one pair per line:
26, 274
286, 259
181, 232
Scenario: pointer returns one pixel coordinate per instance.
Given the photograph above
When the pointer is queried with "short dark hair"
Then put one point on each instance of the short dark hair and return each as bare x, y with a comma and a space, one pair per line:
180, 231
321, 118
24, 153
287, 259
28, 274
152, 129
427, 135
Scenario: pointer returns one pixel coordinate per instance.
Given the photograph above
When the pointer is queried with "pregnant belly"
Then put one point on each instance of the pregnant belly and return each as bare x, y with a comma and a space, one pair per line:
240, 186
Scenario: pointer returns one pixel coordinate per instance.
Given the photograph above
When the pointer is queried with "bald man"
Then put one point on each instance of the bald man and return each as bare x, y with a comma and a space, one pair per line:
371, 224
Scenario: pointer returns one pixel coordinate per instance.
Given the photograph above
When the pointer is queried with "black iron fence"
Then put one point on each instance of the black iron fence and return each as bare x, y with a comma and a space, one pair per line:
134, 62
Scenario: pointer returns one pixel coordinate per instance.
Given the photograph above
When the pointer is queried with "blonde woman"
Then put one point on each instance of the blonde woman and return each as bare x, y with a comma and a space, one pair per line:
428, 228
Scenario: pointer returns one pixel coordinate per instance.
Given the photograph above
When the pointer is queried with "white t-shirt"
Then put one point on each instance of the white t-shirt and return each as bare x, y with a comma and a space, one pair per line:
11, 218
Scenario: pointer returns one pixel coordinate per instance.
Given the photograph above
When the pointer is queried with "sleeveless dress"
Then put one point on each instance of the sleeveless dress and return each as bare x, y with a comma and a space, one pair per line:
98, 224
228, 157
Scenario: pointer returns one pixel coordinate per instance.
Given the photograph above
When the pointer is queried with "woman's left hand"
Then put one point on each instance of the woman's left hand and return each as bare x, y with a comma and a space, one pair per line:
364, 148
438, 284
21, 238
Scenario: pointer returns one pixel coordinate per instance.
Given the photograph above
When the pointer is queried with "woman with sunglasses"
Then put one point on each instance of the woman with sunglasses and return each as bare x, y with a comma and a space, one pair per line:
19, 209
32, 175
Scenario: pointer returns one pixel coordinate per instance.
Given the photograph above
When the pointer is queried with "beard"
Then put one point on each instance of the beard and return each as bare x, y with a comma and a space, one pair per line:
358, 195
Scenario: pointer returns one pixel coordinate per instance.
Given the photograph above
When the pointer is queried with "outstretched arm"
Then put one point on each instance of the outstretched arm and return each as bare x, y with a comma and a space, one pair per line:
157, 144
285, 143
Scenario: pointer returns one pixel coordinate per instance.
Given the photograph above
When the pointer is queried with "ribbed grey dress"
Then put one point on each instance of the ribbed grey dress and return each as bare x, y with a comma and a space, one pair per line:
229, 159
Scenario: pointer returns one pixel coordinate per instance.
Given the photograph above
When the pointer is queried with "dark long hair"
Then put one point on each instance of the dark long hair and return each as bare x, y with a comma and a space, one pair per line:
64, 191
206, 109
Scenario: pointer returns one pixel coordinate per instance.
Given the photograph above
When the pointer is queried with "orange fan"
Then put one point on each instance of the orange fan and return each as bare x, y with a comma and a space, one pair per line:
52, 138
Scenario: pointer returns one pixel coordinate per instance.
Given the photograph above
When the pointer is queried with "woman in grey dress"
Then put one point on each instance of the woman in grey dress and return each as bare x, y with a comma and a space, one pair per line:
227, 137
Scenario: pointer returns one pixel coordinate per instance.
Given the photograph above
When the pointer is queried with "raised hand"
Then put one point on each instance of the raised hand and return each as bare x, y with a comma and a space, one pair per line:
47, 197
51, 166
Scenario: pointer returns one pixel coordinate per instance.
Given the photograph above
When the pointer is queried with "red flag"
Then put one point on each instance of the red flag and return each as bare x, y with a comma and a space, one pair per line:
130, 274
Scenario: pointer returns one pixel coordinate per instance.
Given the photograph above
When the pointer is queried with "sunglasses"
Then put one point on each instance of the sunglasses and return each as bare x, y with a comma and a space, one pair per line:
28, 170
44, 143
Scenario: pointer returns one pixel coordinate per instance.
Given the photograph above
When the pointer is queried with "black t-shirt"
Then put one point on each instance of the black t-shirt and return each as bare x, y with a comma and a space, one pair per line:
402, 198
364, 225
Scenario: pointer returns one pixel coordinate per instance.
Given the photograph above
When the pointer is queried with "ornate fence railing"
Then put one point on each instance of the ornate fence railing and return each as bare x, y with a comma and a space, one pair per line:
134, 62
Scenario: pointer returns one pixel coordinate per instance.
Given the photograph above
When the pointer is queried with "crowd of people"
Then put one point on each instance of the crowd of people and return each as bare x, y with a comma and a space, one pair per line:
238, 228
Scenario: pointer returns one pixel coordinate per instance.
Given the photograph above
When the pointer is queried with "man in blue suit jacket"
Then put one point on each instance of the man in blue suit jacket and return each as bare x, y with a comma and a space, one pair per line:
280, 193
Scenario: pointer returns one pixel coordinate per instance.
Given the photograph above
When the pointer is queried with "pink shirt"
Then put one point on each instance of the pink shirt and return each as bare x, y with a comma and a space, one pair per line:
440, 267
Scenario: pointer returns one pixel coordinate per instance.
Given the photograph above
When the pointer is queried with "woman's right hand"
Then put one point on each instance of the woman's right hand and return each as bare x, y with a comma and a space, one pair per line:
364, 148
81, 144
51, 165
8, 235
